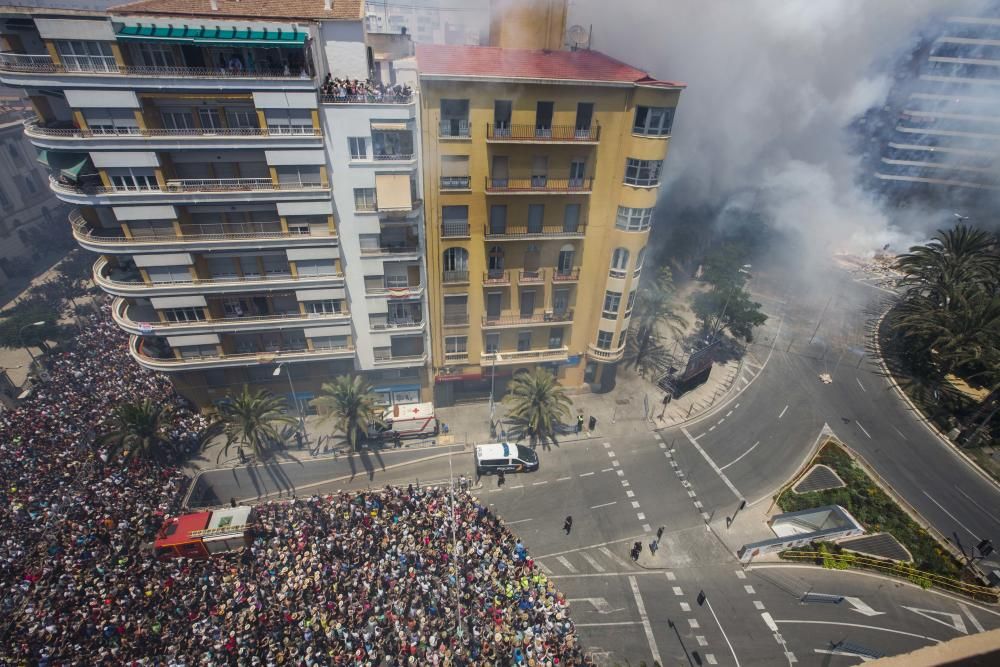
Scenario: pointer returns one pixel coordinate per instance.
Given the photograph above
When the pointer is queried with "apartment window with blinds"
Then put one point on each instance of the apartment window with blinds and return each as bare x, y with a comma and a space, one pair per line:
325, 307
276, 265
242, 118
316, 267
634, 219
198, 351
653, 121
612, 300
455, 172
456, 310
169, 274
642, 172
184, 314
329, 342
111, 121
289, 121
454, 221
364, 199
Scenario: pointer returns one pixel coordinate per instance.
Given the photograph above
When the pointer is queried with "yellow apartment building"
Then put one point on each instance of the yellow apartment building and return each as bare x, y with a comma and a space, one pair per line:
541, 172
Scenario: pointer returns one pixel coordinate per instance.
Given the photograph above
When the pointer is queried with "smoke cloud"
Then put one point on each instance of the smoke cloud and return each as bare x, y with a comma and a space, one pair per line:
773, 87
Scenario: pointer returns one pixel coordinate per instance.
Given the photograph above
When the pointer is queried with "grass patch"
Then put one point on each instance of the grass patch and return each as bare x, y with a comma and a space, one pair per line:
876, 511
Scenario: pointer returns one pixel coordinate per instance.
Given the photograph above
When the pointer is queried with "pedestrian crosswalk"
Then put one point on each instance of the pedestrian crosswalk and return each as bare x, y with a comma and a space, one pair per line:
598, 560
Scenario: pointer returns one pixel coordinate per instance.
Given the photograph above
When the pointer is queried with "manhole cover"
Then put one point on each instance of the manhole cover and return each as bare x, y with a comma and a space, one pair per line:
819, 478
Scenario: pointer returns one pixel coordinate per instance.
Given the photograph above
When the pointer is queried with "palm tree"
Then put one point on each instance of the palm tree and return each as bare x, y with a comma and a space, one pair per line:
351, 404
250, 419
537, 401
655, 309
139, 429
963, 256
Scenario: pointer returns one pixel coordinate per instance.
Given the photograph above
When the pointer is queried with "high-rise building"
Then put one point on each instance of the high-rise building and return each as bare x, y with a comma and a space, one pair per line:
542, 168
256, 223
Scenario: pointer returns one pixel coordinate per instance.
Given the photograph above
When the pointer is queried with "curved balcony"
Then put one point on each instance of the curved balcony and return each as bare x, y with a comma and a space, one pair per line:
57, 136
512, 357
147, 358
188, 190
39, 71
107, 242
122, 283
605, 356
141, 320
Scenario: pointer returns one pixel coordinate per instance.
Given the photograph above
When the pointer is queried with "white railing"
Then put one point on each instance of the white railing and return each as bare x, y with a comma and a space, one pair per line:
101, 266
25, 61
179, 185
366, 99
121, 316
20, 62
136, 349
599, 354
521, 356
34, 128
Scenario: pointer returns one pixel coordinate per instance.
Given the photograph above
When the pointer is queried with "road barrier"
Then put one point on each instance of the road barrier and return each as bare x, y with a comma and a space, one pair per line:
903, 570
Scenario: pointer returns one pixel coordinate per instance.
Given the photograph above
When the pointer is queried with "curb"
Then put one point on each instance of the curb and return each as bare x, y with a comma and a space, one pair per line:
731, 392
921, 417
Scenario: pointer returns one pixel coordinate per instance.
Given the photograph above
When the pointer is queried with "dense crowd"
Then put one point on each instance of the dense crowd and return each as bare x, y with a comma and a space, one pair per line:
368, 90
359, 579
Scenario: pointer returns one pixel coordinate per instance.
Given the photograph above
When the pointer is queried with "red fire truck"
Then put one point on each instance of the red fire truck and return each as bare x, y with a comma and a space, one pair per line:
201, 534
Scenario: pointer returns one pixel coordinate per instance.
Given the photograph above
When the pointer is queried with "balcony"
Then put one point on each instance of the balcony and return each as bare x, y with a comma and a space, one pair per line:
529, 233
539, 185
454, 277
456, 357
456, 182
399, 326
563, 276
366, 99
496, 279
395, 251
455, 230
605, 356
509, 358
129, 283
147, 357
187, 190
383, 360
396, 291
58, 136
38, 70
530, 134
518, 319
532, 277
107, 241
144, 321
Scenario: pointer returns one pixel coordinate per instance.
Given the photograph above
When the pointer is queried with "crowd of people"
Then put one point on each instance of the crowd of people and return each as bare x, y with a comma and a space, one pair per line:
350, 90
379, 578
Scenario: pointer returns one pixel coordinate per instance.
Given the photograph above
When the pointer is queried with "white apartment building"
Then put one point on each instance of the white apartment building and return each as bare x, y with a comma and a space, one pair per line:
245, 235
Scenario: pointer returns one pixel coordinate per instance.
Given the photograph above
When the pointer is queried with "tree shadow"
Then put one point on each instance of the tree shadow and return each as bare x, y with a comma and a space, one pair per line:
517, 430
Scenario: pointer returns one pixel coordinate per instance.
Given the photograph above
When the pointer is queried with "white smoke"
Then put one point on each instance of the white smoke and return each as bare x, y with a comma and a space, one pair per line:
772, 87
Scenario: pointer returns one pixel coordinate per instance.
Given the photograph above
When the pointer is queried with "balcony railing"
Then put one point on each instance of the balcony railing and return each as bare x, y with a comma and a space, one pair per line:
384, 359
454, 277
34, 128
454, 229
497, 232
393, 156
456, 356
496, 278
134, 283
42, 64
148, 358
504, 357
531, 277
539, 184
562, 276
391, 250
456, 182
554, 133
607, 356
515, 319
120, 312
394, 290
405, 323
454, 127
366, 99
187, 185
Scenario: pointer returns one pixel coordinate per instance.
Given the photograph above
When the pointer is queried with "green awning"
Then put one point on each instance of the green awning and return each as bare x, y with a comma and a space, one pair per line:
70, 165
214, 35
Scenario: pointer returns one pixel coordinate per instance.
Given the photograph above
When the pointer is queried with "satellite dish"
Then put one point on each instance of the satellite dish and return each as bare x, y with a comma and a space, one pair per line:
578, 37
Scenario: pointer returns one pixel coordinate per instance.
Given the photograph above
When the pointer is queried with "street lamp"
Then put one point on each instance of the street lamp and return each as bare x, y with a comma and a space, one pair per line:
20, 335
493, 382
295, 399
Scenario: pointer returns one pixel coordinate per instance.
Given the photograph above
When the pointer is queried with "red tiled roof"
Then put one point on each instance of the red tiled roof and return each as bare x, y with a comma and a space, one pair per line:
494, 62
341, 10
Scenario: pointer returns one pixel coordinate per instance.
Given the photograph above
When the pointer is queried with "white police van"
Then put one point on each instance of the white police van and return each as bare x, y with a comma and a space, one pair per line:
504, 457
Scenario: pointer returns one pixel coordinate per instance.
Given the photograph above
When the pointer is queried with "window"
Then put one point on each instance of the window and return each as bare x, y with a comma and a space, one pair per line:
175, 119
454, 118
154, 54
454, 221
492, 343
653, 121
364, 199
612, 300
111, 121
498, 219
639, 259
456, 309
619, 263
359, 147
329, 342
604, 339
289, 121
455, 264
543, 119
304, 175
621, 339
536, 216
555, 338
456, 345
184, 314
523, 341
210, 119
168, 274
634, 219
198, 351
539, 171
242, 118
325, 307
642, 172
495, 261
316, 267
89, 56
584, 117
577, 169
565, 262
630, 304
455, 172
560, 301
501, 117
127, 178
571, 218
392, 144
274, 264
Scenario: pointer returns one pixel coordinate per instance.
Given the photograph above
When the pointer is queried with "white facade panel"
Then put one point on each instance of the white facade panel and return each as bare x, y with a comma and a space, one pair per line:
279, 158
102, 99
194, 301
312, 253
321, 294
126, 213
124, 159
169, 259
265, 100
344, 46
317, 332
100, 30
324, 207
198, 339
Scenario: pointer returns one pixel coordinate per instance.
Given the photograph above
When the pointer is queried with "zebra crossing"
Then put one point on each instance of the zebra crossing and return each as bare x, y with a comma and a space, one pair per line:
597, 560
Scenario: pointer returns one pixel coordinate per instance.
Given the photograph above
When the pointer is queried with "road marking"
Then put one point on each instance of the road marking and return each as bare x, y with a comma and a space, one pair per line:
900, 433
973, 501
783, 412
593, 563
722, 420
589, 546
635, 505
692, 494
566, 564
511, 523
663, 445
860, 625
563, 479
729, 413
671, 576
863, 429
586, 474
641, 516
645, 620
673, 464
698, 504
606, 469
736, 406
975, 621
621, 473
693, 622
740, 574
545, 568
606, 445
706, 516
595, 507
716, 468
611, 454
769, 622
677, 591
597, 625
945, 618
701, 640
657, 436
861, 607
708, 603
749, 589
590, 575
519, 486
710, 659
952, 516
615, 463
710, 428
625, 483
539, 483
685, 606
861, 385
791, 657
863, 658
741, 456
646, 528
610, 554
630, 493
758, 605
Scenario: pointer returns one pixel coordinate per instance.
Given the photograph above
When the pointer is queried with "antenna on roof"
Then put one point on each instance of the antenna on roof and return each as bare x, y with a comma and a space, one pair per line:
577, 38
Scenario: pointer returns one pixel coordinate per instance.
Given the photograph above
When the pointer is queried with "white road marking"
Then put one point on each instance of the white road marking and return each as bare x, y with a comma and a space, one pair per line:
611, 454
952, 516
945, 618
863, 429
646, 528
615, 463
565, 563
791, 657
677, 591
640, 516
685, 606
783, 412
589, 546
621, 473
863, 658
741, 456
663, 445
729, 413
592, 562
606, 469
706, 516
613, 502
645, 620
692, 494
693, 622
606, 445
610, 554
749, 589
758, 605
710, 659
722, 420
519, 486
671, 576
635, 505
698, 504
701, 640
545, 568
973, 501
900, 433
563, 479
975, 621
862, 607
511, 523
586, 474
740, 574
716, 468
859, 625
769, 622
540, 483
861, 385
711, 428
657, 436
630, 493
708, 603
625, 483
736, 406
600, 604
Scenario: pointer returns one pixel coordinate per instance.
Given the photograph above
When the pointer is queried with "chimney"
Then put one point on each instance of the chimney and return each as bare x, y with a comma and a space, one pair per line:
528, 24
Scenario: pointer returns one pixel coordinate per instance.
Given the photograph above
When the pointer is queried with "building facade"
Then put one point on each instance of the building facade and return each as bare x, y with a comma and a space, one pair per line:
252, 228
541, 171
